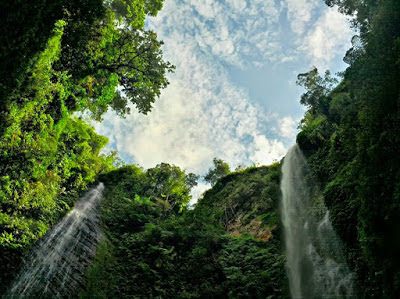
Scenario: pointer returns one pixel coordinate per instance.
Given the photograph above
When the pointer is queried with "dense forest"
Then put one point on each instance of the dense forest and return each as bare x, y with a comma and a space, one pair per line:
73, 58
228, 245
66, 57
350, 135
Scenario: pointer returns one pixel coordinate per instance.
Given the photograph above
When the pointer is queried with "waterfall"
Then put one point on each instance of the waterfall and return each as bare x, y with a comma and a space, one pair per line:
315, 263
57, 266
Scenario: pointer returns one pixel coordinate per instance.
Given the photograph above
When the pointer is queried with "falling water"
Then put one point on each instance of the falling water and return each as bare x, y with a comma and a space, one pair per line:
315, 264
57, 266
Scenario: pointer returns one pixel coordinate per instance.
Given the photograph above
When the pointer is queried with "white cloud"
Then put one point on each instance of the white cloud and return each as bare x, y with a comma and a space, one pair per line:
198, 117
287, 127
238, 32
319, 35
299, 14
238, 5
265, 151
328, 39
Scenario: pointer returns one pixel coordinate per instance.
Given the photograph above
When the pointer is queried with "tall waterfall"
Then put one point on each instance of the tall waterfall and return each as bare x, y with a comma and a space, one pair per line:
57, 266
315, 264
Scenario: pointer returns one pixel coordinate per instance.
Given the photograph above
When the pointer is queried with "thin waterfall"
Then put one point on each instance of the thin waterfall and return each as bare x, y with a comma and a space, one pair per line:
56, 268
315, 263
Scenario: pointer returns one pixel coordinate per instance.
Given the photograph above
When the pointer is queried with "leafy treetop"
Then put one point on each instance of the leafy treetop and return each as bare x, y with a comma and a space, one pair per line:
220, 170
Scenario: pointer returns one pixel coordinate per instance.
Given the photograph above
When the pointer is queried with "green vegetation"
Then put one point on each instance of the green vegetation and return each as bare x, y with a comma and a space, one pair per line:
246, 200
350, 135
220, 170
66, 56
47, 159
154, 249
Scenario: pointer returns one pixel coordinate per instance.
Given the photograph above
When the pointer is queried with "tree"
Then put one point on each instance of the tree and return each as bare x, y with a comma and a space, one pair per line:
220, 170
111, 57
171, 185
317, 87
133, 12
361, 11
191, 180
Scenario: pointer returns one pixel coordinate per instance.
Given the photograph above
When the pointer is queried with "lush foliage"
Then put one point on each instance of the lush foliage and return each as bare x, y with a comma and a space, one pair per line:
112, 55
46, 158
350, 135
246, 200
219, 170
153, 252
104, 46
60, 57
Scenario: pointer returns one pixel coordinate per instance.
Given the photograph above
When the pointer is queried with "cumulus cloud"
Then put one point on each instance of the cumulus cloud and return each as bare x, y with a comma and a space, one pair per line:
201, 114
265, 151
287, 127
299, 14
328, 39
198, 117
319, 35
239, 32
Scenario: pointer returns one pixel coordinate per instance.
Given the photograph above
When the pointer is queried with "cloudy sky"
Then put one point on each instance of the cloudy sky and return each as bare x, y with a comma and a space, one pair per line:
233, 94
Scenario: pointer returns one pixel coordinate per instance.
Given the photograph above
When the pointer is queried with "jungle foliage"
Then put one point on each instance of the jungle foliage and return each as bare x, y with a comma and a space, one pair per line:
351, 136
58, 58
219, 170
153, 250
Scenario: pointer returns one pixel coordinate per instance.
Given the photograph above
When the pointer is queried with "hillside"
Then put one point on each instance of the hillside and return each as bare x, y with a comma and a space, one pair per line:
152, 250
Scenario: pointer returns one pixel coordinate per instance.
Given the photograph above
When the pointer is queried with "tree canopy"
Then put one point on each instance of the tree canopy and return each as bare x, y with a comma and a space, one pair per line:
107, 57
219, 170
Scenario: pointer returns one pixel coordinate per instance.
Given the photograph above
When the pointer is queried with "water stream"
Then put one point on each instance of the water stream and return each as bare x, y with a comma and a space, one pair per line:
315, 263
57, 266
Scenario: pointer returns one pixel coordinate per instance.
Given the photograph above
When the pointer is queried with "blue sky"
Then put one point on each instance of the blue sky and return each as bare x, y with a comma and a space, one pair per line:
233, 95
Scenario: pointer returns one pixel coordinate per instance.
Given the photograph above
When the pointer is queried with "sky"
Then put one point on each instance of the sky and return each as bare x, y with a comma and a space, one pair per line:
233, 94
